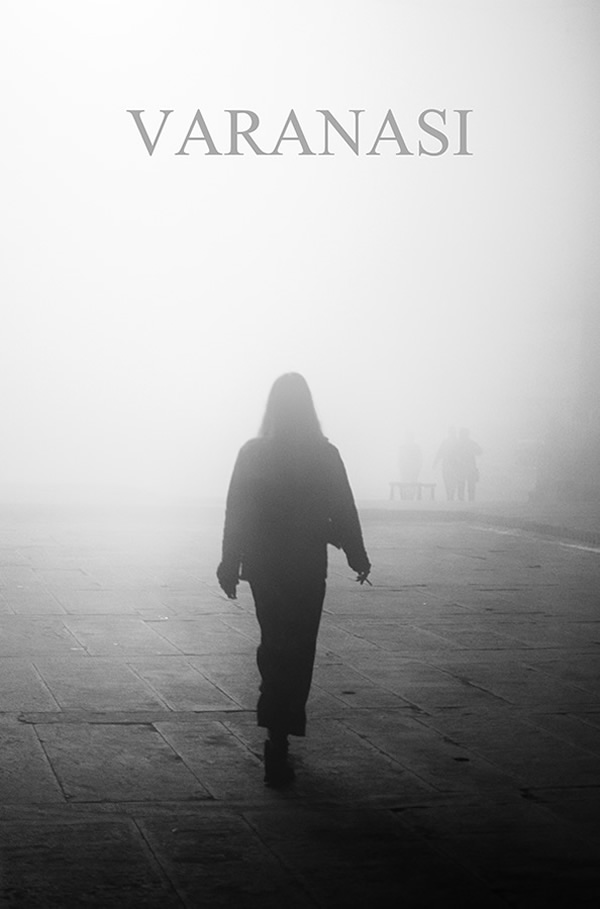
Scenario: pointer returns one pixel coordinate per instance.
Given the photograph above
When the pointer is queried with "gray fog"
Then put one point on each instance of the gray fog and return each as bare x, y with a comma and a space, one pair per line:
149, 301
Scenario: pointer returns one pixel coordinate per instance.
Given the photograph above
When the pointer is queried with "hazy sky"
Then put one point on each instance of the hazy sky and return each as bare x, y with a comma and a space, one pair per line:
149, 302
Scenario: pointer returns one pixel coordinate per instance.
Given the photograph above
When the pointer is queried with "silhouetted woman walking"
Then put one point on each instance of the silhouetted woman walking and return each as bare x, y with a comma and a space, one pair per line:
288, 497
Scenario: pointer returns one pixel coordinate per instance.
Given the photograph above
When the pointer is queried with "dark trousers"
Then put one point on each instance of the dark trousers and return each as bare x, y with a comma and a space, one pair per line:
289, 615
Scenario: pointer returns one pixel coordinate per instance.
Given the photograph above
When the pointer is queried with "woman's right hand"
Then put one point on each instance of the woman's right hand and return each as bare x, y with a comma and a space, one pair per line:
228, 581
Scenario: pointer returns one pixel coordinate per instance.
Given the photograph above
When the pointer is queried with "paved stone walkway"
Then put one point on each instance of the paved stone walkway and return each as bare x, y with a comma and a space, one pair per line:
453, 754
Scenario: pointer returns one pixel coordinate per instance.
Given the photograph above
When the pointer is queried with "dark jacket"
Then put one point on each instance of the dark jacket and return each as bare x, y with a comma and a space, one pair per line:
286, 501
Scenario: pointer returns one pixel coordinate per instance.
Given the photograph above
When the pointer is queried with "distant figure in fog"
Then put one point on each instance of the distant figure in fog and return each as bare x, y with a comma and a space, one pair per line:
289, 496
410, 461
467, 452
447, 457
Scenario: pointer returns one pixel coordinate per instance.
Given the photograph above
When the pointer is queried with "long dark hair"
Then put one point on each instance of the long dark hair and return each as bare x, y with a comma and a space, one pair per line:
290, 412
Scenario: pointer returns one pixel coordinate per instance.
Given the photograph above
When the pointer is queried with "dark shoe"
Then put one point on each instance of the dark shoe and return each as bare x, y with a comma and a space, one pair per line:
278, 772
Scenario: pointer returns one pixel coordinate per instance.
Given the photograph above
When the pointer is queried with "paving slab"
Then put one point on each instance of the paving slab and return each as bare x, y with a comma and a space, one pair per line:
227, 768
86, 683
19, 576
353, 688
180, 685
530, 754
133, 762
96, 602
421, 683
95, 863
190, 605
30, 601
570, 728
22, 688
122, 635
206, 635
478, 816
26, 774
336, 763
323, 704
532, 866
236, 676
518, 683
35, 634
445, 765
452, 749
221, 861
580, 806
362, 847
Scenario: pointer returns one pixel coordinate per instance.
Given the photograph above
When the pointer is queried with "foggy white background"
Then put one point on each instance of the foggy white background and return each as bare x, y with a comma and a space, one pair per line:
149, 303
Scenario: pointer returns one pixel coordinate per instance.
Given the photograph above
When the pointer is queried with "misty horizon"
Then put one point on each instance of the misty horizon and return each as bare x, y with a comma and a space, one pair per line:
148, 308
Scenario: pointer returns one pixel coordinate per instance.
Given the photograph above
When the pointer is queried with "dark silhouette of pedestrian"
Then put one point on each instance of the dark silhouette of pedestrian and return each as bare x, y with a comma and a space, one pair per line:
467, 452
288, 498
447, 457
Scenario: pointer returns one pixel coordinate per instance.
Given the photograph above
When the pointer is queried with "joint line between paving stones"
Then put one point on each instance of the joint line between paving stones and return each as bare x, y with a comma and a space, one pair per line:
439, 669
210, 796
480, 687
46, 686
223, 619
298, 876
549, 675
222, 690
438, 848
386, 754
80, 644
232, 730
149, 622
582, 717
473, 750
51, 766
446, 852
163, 871
145, 682
57, 601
